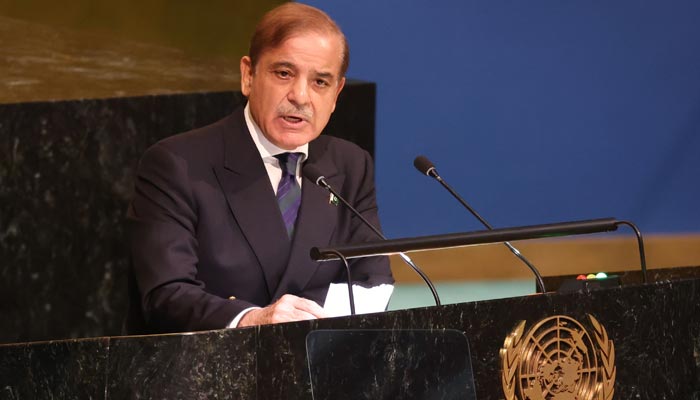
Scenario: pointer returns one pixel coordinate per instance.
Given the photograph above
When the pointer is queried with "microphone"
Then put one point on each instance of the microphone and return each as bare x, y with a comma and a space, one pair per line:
314, 175
425, 166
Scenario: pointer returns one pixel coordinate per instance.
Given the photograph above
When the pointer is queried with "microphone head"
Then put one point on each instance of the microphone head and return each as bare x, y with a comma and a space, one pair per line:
312, 173
424, 166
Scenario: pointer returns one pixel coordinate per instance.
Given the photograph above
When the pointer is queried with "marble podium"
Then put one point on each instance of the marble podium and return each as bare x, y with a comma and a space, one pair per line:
655, 329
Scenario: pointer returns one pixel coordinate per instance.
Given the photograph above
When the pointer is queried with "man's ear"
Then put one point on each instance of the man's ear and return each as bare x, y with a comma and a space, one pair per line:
341, 85
246, 75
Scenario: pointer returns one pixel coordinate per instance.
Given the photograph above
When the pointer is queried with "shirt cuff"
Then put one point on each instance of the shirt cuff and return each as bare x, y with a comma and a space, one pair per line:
234, 323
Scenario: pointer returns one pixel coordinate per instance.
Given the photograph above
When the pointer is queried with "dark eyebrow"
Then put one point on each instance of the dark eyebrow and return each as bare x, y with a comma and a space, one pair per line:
283, 64
287, 64
326, 75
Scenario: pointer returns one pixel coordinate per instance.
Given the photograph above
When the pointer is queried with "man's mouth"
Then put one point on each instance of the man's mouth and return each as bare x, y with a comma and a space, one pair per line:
292, 119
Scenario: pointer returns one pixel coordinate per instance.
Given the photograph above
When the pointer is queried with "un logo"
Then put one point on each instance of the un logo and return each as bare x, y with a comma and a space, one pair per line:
558, 359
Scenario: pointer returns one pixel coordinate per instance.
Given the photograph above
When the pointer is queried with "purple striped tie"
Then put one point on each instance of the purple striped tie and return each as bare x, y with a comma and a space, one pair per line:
288, 191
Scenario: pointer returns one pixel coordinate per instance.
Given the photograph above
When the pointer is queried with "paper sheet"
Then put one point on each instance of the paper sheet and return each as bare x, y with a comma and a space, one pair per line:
367, 300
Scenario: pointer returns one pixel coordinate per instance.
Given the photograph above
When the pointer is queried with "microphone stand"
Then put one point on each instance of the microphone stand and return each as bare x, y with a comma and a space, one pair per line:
424, 165
320, 180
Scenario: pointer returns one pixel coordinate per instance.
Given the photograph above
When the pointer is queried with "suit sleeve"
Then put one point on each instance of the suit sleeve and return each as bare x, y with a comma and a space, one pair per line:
162, 222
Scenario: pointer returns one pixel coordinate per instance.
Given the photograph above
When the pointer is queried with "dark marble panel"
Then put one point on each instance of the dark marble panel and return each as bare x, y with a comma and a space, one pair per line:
66, 177
281, 361
205, 365
655, 355
654, 329
281, 350
64, 370
390, 364
66, 172
649, 326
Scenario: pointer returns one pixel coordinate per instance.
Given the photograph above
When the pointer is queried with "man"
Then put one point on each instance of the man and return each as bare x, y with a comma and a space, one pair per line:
220, 229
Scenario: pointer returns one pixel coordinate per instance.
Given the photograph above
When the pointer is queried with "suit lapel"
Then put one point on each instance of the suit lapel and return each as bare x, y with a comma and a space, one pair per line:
315, 224
252, 201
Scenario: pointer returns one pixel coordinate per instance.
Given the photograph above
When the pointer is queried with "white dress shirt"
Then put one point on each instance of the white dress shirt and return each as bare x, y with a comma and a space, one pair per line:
268, 151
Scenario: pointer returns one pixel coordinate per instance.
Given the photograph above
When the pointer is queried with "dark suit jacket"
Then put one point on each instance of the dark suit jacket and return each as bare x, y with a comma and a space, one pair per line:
204, 225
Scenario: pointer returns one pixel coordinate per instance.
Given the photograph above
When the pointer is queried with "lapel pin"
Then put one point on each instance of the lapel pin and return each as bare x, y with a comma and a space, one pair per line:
333, 200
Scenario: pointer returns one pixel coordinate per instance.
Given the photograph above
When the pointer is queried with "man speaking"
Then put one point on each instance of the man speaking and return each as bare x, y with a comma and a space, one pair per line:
222, 221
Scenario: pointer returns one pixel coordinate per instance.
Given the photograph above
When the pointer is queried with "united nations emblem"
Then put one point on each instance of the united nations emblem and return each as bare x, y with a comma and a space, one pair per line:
557, 359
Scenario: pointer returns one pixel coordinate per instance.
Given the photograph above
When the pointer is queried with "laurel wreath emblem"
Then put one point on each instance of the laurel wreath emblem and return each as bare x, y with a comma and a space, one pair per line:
512, 358
607, 355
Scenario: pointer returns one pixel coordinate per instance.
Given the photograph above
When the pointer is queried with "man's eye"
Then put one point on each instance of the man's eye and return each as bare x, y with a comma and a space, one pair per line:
283, 74
321, 83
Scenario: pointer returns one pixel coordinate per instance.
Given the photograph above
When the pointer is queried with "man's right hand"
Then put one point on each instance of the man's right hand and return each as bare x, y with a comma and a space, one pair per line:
287, 309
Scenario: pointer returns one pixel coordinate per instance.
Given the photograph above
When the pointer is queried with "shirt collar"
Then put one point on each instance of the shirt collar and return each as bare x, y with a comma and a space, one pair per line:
267, 149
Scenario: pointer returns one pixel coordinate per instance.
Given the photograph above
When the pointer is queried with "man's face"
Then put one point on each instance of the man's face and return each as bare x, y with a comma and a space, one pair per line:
294, 87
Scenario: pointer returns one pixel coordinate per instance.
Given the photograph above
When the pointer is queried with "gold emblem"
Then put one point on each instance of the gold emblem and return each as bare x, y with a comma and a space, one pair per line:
557, 359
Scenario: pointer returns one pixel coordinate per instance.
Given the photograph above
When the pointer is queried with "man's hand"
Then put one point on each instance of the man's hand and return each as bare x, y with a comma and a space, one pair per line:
288, 308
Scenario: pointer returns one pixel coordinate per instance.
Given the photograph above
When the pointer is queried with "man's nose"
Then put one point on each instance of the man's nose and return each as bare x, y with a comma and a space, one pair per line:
299, 92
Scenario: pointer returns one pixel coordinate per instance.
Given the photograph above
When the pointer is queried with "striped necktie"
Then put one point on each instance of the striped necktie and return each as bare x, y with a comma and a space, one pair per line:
288, 191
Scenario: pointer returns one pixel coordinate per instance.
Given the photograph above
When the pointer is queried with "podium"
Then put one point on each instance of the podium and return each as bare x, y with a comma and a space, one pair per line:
649, 333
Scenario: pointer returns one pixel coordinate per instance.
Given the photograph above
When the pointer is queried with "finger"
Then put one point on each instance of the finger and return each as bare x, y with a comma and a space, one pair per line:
311, 307
291, 302
289, 315
300, 315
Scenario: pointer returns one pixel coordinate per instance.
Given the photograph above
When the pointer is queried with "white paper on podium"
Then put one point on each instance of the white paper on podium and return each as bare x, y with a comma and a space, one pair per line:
367, 300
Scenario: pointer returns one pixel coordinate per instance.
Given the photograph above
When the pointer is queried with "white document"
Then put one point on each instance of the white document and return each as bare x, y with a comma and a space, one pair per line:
367, 300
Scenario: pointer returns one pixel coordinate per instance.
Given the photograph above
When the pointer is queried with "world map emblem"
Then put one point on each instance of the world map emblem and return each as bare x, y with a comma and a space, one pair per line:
558, 359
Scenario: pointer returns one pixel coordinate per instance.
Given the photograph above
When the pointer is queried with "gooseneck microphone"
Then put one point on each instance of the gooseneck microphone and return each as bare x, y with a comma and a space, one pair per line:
425, 166
314, 175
